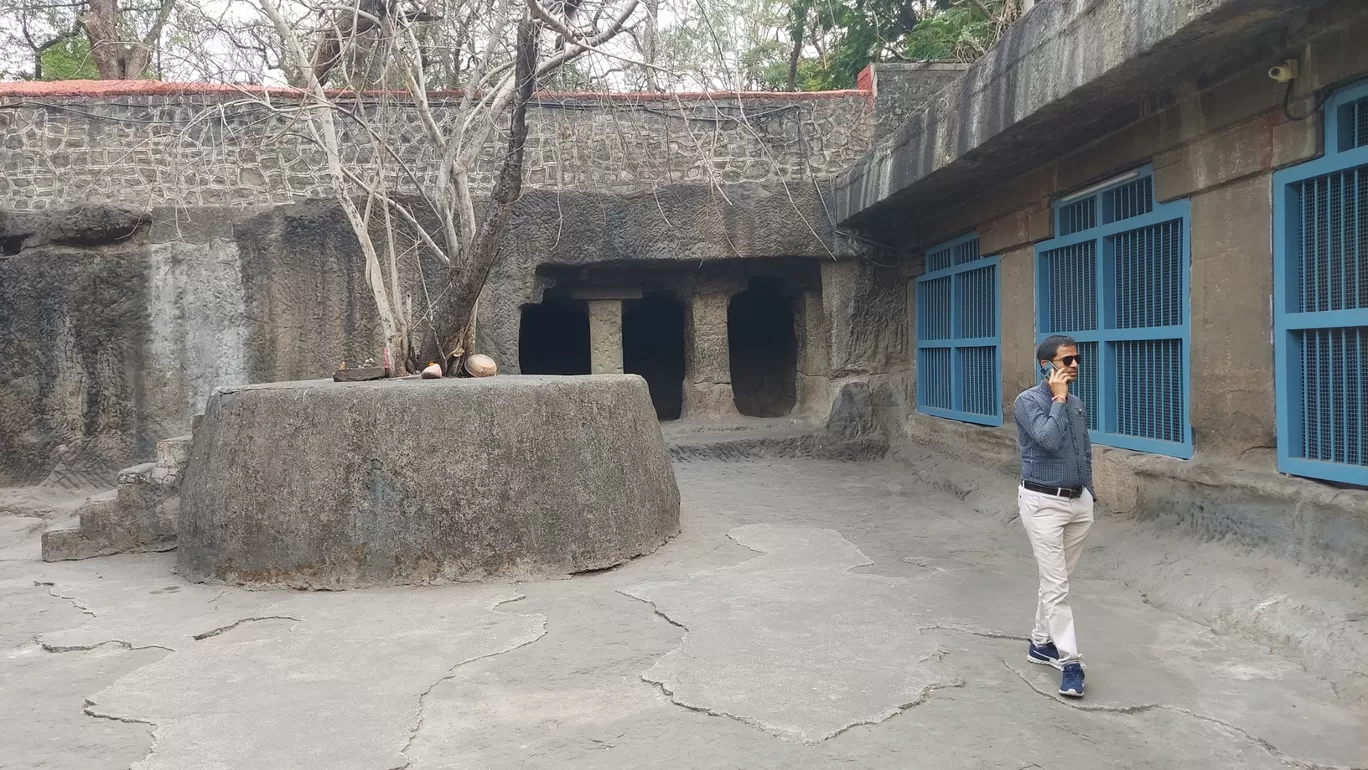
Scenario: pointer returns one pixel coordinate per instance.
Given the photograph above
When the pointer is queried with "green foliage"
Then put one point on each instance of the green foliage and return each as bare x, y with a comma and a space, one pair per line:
69, 60
765, 66
850, 34
811, 76
961, 33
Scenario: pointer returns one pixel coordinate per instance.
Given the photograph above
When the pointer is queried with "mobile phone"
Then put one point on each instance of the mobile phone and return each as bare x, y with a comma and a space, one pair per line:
1047, 368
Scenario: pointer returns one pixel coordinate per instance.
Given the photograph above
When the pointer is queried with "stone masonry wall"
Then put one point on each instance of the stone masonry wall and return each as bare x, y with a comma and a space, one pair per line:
900, 89
151, 144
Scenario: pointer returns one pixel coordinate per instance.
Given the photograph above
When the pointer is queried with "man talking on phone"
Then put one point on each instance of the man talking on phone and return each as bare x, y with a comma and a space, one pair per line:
1055, 501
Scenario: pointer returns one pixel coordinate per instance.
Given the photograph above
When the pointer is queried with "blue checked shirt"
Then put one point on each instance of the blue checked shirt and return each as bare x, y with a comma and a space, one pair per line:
1055, 450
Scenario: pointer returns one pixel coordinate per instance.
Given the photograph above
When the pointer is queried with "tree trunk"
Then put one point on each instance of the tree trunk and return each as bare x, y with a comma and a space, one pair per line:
798, 19
116, 58
652, 14
333, 49
455, 321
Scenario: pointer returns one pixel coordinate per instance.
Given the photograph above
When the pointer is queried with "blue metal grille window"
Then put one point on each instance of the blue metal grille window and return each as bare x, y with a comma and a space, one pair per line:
1320, 300
1120, 287
958, 355
1353, 124
1129, 200
1077, 217
939, 259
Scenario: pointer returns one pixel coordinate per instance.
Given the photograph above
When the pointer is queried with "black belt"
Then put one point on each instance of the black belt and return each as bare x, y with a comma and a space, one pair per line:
1068, 492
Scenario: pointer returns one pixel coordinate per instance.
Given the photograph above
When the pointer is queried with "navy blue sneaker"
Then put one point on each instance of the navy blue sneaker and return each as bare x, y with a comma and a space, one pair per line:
1071, 683
1044, 654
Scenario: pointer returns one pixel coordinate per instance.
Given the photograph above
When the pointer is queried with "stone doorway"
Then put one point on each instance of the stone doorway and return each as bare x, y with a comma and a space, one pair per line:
762, 350
553, 337
653, 347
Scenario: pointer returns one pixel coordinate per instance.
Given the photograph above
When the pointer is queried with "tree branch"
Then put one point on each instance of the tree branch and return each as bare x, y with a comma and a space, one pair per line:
560, 27
154, 33
321, 123
459, 323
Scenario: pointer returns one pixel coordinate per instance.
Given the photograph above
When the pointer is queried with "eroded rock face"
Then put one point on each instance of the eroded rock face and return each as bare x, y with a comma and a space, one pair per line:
339, 485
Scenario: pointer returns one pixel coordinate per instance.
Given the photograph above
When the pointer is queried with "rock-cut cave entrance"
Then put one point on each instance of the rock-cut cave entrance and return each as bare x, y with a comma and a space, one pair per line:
553, 337
763, 351
653, 347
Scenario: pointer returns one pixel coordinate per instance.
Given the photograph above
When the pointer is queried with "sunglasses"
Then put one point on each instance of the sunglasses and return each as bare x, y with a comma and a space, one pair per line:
1071, 360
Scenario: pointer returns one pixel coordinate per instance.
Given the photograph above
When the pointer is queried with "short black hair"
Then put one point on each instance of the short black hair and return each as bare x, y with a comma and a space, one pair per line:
1050, 347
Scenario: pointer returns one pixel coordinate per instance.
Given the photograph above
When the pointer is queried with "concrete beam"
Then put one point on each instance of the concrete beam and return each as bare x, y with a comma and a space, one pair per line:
1067, 73
595, 293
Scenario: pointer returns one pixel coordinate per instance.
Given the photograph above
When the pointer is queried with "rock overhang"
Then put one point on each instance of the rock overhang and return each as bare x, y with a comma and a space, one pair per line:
1064, 75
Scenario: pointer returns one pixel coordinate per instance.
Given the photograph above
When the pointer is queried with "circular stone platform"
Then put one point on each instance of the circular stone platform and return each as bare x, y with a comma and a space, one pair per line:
341, 485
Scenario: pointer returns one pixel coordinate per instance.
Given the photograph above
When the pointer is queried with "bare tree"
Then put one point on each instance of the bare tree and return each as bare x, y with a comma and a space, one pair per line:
439, 214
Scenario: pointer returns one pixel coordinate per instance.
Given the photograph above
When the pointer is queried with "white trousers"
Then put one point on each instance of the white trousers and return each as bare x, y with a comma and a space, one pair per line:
1056, 527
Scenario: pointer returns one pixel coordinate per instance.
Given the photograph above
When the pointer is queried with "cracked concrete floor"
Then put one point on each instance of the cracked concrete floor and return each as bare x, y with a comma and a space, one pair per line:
811, 614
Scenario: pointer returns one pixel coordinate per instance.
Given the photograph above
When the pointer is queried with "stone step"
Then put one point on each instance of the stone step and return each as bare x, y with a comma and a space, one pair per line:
140, 515
103, 519
137, 474
780, 442
174, 453
150, 474
100, 532
67, 544
107, 495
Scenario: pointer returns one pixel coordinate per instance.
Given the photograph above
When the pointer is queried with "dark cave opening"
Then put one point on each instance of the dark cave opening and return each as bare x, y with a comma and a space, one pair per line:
653, 347
763, 351
553, 337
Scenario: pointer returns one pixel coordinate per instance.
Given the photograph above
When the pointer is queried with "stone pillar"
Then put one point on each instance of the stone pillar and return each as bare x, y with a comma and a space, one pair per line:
814, 365
1233, 392
707, 373
605, 336
1016, 300
838, 302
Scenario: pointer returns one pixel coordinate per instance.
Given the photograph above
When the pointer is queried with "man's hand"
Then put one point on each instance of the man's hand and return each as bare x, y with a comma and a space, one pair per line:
1059, 384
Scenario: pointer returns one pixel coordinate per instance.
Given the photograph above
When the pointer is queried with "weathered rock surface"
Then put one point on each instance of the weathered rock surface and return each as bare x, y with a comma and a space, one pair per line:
116, 342
337, 485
